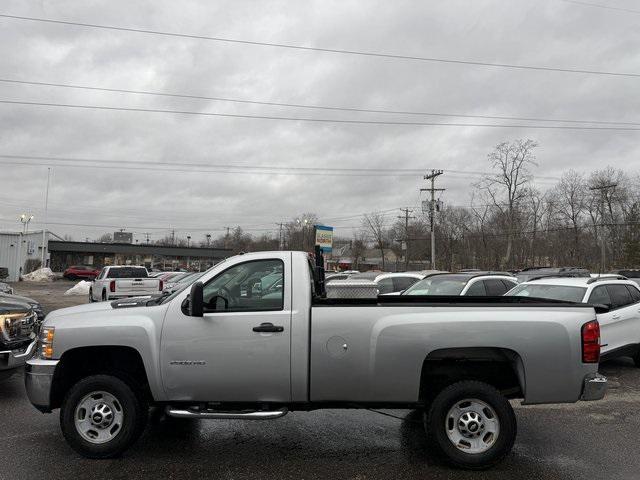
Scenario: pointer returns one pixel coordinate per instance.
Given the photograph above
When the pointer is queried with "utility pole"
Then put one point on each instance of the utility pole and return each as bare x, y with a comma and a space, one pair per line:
603, 252
226, 238
173, 237
280, 245
146, 234
406, 217
432, 209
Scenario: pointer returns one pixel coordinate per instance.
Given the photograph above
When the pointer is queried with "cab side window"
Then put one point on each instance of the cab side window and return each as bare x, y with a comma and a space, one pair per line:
252, 286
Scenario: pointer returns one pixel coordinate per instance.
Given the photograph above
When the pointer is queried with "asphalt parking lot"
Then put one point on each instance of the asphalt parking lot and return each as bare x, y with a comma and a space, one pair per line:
586, 440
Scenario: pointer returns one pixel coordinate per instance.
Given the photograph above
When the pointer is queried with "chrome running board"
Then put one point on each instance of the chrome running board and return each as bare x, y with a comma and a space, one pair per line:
226, 415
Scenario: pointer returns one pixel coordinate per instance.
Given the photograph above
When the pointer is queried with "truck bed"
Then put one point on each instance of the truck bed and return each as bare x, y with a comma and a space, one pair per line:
365, 349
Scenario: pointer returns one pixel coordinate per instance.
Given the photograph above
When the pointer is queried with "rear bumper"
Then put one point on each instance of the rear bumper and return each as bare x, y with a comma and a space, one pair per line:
38, 379
594, 387
117, 296
10, 359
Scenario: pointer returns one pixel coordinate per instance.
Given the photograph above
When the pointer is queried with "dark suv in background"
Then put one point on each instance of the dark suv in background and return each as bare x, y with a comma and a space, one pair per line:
538, 272
632, 274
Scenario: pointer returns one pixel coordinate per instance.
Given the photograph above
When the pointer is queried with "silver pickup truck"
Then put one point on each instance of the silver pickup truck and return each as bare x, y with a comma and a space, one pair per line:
256, 338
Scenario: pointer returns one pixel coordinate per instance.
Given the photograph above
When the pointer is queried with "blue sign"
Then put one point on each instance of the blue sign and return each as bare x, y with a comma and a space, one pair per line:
324, 238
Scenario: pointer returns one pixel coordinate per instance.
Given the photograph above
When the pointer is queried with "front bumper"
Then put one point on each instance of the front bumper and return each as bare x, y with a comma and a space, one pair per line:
10, 359
594, 387
38, 378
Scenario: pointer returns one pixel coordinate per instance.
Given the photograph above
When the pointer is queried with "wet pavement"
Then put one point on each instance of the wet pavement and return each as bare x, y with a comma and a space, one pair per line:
595, 440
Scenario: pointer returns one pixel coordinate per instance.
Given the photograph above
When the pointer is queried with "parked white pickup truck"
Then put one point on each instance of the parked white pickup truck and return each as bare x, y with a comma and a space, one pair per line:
255, 337
122, 281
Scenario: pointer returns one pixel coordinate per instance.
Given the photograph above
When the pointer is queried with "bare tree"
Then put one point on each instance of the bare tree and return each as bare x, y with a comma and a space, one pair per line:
569, 199
374, 223
104, 238
508, 186
358, 247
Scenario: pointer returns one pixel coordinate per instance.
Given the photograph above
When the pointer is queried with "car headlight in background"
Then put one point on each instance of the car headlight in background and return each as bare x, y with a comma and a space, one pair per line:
46, 342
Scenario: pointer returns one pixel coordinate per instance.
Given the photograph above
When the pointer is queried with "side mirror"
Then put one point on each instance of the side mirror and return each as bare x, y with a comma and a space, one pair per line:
196, 300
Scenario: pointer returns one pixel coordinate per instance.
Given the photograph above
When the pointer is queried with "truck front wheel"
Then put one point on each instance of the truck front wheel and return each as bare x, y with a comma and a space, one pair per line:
101, 416
471, 424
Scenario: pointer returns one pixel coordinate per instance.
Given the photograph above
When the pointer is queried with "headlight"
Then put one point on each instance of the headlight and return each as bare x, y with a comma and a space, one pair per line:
10, 325
46, 343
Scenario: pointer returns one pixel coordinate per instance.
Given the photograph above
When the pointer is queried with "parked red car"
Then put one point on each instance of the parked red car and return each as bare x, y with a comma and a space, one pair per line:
80, 271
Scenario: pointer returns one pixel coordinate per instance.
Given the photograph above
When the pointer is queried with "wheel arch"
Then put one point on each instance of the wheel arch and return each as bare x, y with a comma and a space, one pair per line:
502, 368
123, 362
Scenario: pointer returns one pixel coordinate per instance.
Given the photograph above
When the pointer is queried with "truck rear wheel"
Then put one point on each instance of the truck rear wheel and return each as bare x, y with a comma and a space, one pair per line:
101, 416
471, 424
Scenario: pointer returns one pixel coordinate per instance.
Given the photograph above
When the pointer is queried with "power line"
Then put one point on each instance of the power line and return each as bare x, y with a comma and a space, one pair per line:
313, 120
254, 168
597, 5
324, 50
314, 107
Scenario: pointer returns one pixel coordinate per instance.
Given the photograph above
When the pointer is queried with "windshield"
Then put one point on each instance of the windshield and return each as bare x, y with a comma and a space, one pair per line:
178, 277
438, 285
552, 292
191, 277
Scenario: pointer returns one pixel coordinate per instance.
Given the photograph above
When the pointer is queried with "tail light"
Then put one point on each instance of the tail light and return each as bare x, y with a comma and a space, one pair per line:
161, 285
112, 286
591, 342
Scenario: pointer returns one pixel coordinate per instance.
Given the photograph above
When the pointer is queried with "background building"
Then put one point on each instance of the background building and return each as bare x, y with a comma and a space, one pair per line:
21, 253
66, 253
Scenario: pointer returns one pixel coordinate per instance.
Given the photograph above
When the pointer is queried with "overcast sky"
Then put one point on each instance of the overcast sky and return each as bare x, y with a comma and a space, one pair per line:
550, 33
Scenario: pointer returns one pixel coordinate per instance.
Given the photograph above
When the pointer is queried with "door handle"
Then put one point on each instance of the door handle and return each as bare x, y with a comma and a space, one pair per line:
268, 327
616, 317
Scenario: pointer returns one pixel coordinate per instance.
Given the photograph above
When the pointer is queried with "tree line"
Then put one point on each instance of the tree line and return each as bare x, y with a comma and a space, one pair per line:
510, 223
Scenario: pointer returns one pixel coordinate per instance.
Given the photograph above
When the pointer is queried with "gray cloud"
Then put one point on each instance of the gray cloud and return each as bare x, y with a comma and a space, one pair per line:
549, 33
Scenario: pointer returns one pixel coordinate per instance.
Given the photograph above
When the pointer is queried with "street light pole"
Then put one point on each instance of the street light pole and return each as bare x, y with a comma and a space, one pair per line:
24, 219
44, 228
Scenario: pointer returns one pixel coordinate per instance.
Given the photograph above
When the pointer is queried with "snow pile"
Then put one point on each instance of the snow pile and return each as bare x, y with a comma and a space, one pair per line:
80, 288
40, 275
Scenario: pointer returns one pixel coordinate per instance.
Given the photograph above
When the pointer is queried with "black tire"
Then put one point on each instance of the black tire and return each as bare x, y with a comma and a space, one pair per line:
134, 416
636, 359
436, 425
91, 300
104, 295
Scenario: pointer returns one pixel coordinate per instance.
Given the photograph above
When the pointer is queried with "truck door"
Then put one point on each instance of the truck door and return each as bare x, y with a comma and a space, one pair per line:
240, 349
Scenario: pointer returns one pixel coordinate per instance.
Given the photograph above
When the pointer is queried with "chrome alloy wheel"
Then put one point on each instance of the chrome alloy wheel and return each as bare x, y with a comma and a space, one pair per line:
99, 417
472, 426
